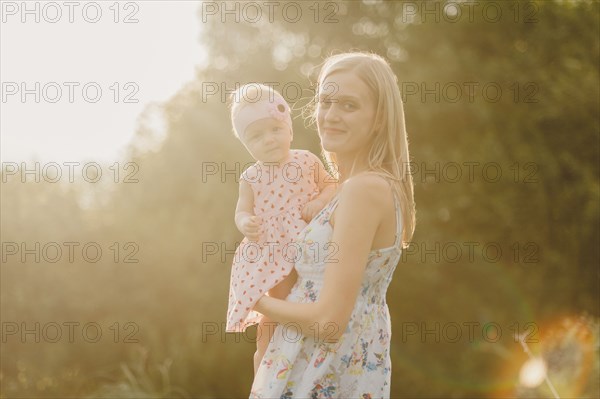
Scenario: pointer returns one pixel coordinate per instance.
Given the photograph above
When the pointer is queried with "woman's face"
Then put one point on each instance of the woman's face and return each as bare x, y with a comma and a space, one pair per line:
345, 113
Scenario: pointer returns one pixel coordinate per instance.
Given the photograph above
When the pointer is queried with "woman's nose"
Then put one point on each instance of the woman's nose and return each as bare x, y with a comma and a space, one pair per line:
331, 114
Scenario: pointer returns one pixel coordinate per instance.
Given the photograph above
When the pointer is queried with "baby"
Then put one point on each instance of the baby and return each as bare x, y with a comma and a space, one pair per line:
278, 196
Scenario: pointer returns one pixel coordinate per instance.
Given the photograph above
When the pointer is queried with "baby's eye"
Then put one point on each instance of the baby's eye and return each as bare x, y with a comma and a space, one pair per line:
254, 137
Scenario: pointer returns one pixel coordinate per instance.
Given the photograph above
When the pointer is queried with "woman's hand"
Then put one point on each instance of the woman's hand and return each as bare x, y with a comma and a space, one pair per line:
250, 227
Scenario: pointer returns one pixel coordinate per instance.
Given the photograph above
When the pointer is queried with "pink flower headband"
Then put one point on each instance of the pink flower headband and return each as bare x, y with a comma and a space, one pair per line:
274, 106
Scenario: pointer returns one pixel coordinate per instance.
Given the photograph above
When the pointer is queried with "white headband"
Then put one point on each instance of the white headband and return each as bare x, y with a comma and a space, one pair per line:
273, 107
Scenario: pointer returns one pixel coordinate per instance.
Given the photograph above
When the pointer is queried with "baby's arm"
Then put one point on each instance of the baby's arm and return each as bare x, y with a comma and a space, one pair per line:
245, 220
327, 187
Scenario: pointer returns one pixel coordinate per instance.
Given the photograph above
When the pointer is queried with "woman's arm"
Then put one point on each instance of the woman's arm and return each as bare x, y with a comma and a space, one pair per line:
358, 215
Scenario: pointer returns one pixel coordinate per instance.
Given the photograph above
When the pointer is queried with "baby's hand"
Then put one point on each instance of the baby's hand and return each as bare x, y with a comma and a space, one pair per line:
251, 228
311, 209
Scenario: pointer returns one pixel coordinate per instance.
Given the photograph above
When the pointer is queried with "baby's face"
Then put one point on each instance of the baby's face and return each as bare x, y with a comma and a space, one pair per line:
268, 140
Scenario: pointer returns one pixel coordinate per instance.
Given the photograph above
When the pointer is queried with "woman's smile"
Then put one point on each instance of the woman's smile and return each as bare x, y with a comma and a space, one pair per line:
333, 131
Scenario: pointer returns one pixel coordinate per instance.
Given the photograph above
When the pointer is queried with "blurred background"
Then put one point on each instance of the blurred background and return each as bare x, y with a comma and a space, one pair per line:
496, 297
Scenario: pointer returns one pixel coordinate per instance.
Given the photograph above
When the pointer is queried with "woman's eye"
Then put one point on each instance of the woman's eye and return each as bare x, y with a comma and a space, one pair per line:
349, 106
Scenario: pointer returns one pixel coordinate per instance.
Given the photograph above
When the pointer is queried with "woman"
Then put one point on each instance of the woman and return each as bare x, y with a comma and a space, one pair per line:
333, 339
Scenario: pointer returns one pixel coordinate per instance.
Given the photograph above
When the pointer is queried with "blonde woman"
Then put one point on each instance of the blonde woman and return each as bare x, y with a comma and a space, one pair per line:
333, 340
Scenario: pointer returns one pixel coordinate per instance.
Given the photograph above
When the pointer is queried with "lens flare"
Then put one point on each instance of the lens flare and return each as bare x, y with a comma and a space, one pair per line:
564, 361
533, 373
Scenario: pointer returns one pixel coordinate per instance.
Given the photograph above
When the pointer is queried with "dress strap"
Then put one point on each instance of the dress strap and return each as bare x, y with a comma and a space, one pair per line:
397, 209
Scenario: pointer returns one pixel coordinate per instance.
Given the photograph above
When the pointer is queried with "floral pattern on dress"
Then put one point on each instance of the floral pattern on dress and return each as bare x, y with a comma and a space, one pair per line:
358, 365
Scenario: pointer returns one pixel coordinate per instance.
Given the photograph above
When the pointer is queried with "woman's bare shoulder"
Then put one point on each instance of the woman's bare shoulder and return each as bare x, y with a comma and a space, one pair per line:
370, 191
370, 184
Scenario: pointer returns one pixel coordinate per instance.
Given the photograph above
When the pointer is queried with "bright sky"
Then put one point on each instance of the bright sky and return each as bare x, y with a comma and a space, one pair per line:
158, 54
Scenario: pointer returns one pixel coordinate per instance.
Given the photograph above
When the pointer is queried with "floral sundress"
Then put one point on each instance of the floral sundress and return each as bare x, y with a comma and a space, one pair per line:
358, 365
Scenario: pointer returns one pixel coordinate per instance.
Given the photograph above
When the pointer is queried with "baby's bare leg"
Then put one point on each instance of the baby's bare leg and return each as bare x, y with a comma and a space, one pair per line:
263, 336
266, 326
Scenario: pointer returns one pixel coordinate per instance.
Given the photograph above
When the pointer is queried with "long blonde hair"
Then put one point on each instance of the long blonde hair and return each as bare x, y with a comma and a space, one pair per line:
388, 153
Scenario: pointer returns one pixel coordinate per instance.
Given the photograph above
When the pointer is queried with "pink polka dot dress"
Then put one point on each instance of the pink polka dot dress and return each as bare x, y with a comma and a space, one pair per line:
280, 192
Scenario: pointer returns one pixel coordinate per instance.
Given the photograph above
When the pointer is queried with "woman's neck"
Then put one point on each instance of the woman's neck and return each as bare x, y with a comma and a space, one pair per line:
350, 165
